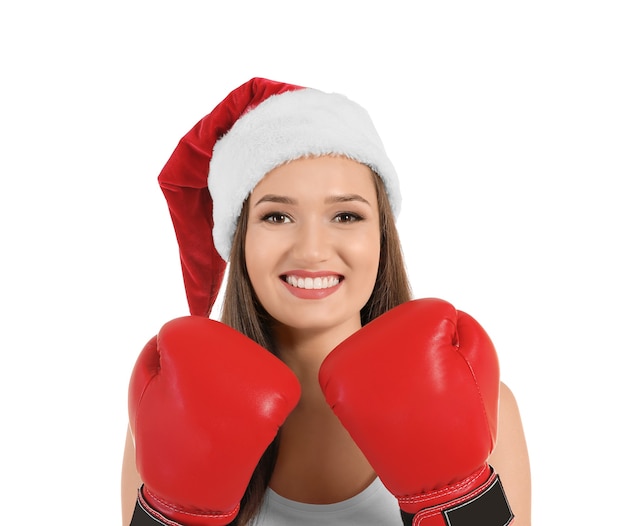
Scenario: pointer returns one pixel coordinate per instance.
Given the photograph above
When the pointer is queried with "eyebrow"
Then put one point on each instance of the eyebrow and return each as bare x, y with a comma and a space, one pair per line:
346, 198
272, 198
343, 198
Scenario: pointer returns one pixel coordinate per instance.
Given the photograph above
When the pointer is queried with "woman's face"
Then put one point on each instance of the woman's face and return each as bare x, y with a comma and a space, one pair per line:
313, 242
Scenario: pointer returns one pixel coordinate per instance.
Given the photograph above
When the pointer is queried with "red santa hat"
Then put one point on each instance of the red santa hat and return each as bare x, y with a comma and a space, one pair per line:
257, 127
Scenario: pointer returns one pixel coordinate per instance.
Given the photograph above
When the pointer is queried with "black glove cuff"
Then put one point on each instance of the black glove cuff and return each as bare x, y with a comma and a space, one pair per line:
489, 508
142, 518
144, 515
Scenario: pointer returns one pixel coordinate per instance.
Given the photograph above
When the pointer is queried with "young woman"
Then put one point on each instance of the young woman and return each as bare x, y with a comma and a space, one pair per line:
302, 202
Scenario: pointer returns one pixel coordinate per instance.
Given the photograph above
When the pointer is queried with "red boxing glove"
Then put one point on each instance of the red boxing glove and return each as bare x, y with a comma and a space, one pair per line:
205, 402
418, 390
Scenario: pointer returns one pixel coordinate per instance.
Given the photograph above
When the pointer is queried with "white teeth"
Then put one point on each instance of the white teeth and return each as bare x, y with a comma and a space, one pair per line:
313, 283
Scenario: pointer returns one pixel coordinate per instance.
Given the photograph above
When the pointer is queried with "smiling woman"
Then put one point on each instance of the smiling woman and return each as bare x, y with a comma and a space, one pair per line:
328, 231
325, 395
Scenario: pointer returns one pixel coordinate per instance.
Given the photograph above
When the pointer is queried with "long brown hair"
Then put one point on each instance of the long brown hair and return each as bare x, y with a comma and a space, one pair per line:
242, 310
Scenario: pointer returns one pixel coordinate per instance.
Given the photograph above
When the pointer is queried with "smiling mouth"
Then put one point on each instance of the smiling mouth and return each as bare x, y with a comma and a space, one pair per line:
317, 283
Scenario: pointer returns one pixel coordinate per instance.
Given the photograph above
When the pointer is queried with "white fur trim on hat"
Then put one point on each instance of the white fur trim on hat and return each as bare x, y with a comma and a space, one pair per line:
285, 127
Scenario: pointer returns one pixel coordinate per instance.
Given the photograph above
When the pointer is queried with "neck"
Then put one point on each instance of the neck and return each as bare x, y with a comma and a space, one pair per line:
318, 462
305, 349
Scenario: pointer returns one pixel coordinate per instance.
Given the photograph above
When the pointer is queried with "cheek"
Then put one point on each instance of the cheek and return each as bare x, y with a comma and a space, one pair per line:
261, 257
364, 253
255, 259
364, 261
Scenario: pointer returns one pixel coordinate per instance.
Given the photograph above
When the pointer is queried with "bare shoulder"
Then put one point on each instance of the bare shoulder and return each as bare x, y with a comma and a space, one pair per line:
508, 403
510, 457
130, 479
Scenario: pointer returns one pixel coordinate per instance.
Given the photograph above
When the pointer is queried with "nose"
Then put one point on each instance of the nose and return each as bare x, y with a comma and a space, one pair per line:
312, 243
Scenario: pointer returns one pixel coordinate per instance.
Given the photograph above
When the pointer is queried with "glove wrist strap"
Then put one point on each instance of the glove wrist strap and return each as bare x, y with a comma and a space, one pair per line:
141, 516
486, 505
145, 514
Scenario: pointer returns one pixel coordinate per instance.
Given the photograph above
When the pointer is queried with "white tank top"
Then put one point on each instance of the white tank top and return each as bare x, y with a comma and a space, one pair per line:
374, 506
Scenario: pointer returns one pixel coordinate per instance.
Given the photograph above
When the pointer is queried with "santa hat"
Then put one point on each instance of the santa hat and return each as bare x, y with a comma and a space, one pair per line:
257, 127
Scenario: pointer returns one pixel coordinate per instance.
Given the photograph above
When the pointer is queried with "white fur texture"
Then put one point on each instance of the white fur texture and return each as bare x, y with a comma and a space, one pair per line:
285, 127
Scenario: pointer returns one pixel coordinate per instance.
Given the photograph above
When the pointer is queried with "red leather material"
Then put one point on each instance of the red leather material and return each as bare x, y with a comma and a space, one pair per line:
440, 498
204, 404
418, 390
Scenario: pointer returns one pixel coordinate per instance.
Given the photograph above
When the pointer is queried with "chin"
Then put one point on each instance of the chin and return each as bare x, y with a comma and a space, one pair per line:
308, 321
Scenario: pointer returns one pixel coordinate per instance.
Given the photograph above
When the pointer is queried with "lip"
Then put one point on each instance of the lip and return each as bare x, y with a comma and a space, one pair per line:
311, 294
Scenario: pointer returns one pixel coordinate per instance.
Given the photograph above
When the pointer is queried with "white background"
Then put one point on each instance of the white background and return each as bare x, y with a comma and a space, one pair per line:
506, 121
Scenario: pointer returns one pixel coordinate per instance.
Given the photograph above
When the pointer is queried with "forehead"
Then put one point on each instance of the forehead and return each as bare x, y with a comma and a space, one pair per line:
318, 175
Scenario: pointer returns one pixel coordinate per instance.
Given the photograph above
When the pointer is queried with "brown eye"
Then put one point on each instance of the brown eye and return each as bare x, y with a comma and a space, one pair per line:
277, 218
347, 217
